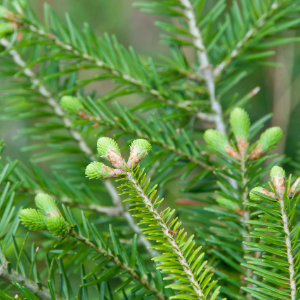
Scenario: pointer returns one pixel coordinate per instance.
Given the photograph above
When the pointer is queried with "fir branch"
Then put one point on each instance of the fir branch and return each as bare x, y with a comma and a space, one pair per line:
246, 40
11, 276
205, 65
115, 260
286, 222
184, 105
175, 245
76, 135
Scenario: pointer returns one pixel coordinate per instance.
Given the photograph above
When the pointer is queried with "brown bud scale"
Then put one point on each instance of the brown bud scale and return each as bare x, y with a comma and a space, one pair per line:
257, 152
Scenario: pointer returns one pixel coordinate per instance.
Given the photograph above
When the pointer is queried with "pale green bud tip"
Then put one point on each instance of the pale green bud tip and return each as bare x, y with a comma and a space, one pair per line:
240, 123
277, 172
142, 145
227, 204
215, 139
3, 12
106, 144
97, 170
45, 203
6, 28
257, 189
33, 219
70, 104
57, 225
270, 138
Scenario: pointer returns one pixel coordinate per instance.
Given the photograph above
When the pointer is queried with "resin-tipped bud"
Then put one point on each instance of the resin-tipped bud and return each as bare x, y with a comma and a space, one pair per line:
109, 150
33, 219
218, 141
261, 190
295, 188
231, 205
70, 104
46, 205
277, 175
267, 141
138, 150
97, 170
6, 29
240, 124
57, 225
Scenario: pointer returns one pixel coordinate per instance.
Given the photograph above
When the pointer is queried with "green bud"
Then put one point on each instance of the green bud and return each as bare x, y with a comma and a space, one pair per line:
46, 205
3, 12
277, 175
97, 170
270, 138
109, 150
6, 28
228, 204
57, 225
138, 150
217, 140
33, 219
253, 196
70, 104
240, 123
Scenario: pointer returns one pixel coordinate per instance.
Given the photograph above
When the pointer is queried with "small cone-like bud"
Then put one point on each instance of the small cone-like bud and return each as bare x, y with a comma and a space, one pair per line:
218, 141
292, 190
231, 205
33, 219
240, 124
277, 175
109, 150
97, 170
261, 190
6, 28
57, 225
46, 205
267, 141
70, 104
138, 150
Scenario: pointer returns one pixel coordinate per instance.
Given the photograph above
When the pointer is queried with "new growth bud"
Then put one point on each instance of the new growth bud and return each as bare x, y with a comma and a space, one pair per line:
47, 217
231, 205
138, 150
218, 141
46, 205
261, 190
57, 225
240, 124
268, 141
3, 12
6, 29
97, 170
33, 219
109, 150
295, 188
277, 175
70, 104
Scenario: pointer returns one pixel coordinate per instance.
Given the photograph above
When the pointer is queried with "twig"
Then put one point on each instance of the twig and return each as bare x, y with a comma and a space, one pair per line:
76, 135
180, 256
13, 276
205, 65
288, 248
116, 261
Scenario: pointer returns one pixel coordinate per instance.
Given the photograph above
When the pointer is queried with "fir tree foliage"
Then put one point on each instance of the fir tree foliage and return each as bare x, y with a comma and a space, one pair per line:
230, 234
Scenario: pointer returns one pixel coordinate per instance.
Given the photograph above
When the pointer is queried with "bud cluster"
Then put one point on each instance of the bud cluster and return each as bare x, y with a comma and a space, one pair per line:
109, 150
240, 125
278, 178
46, 217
